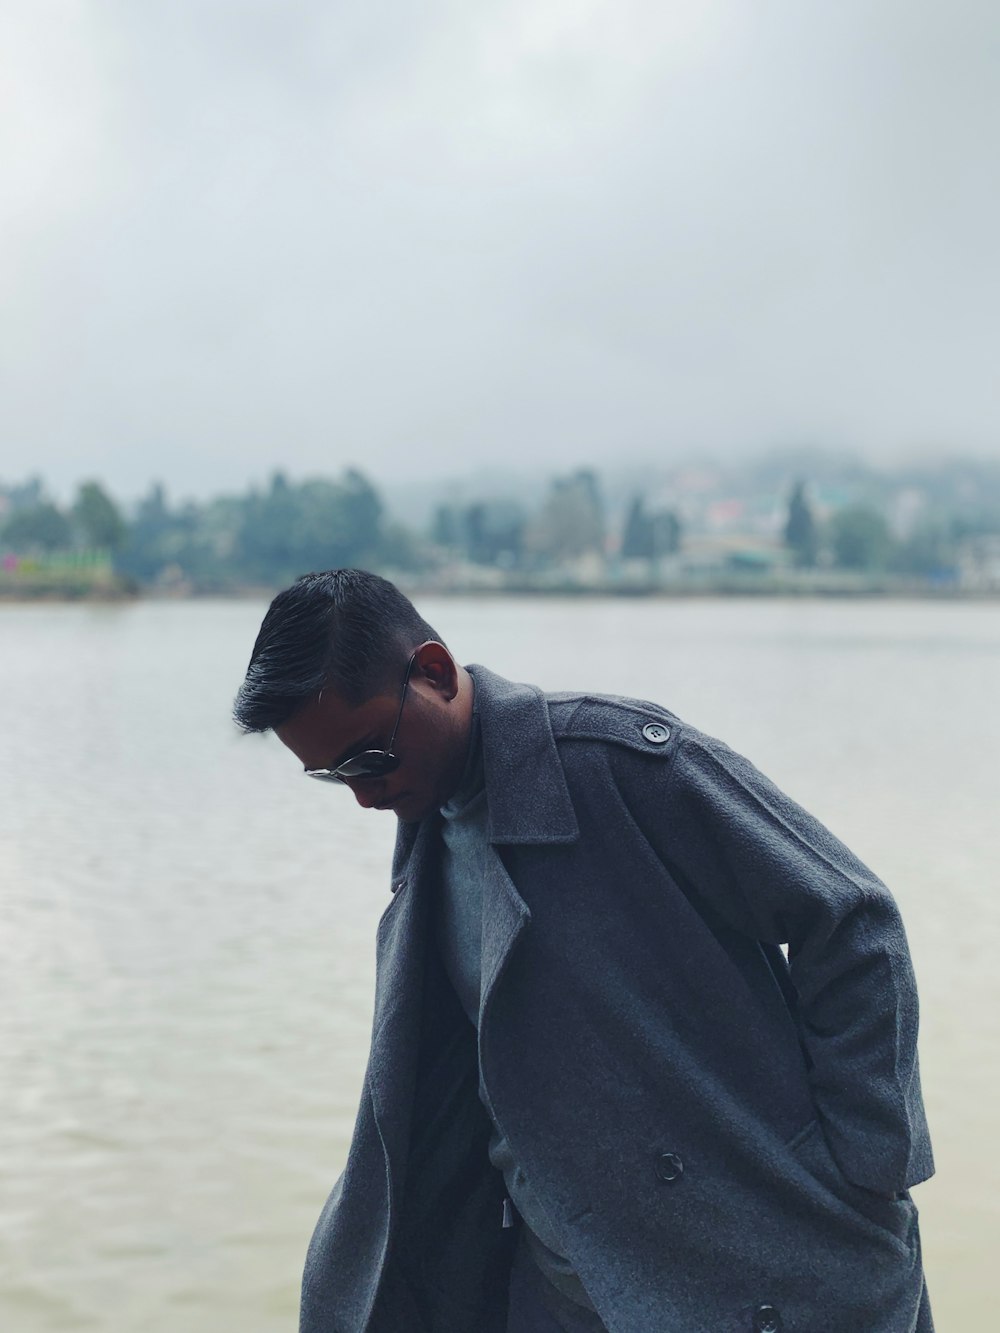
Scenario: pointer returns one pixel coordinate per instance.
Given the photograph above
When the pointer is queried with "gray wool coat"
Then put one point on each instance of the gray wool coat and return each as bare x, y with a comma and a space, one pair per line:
725, 1138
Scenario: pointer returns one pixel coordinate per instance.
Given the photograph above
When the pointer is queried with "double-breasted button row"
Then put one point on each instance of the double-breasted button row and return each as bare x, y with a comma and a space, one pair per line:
669, 1169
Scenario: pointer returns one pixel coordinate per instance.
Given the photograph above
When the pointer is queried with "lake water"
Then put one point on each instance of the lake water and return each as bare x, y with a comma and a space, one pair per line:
187, 925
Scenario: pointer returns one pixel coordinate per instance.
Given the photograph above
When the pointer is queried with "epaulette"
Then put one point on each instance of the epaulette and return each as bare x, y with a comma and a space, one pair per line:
640, 725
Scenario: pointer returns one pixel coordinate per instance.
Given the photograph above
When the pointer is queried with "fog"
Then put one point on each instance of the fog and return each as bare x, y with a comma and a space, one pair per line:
432, 238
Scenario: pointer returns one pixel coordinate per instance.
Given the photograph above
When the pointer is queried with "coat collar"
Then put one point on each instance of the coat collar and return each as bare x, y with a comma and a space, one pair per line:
526, 791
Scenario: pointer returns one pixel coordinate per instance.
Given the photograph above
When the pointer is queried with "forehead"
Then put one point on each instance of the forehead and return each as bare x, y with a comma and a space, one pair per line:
329, 729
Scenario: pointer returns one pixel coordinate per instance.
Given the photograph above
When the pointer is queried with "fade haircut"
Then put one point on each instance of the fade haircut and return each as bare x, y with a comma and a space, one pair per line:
343, 629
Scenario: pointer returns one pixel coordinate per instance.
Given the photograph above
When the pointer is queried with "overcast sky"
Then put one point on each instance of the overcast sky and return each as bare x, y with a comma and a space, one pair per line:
427, 236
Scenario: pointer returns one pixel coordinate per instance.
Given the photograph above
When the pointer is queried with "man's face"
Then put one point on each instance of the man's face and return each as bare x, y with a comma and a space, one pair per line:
431, 741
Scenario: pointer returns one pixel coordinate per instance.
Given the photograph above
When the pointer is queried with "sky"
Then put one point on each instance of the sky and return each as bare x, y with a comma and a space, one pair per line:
429, 238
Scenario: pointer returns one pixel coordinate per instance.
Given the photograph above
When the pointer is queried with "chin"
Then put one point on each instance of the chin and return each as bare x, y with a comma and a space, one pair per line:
412, 810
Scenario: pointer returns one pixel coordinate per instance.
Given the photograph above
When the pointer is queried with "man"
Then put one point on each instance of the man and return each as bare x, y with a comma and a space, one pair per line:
598, 1096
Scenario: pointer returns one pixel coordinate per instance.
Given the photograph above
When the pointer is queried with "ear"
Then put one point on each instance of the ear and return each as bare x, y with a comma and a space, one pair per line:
433, 663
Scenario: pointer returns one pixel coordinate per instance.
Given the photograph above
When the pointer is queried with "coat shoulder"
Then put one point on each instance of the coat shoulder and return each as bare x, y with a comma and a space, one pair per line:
636, 724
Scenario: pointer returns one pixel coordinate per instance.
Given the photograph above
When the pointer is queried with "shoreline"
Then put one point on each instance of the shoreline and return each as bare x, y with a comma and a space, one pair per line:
720, 589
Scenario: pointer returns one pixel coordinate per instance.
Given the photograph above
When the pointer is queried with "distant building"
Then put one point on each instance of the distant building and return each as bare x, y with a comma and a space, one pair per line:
713, 555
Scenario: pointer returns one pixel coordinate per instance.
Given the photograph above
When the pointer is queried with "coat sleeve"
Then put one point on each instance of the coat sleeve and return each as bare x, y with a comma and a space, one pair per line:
771, 871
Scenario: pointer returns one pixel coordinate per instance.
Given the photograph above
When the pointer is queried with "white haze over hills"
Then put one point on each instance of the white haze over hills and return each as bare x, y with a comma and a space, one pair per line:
431, 238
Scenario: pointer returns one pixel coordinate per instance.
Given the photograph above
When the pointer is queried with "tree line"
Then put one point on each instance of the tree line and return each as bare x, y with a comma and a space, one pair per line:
263, 536
269, 535
858, 537
272, 534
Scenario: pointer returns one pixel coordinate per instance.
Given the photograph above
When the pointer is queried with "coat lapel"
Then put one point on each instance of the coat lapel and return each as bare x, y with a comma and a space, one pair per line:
525, 787
528, 803
400, 956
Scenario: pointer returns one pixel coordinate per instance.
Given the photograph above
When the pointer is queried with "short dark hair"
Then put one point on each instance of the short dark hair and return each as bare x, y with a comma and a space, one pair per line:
344, 629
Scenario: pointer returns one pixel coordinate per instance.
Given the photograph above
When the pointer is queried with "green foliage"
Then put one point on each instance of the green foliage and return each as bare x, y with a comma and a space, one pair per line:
488, 532
860, 538
320, 524
97, 517
268, 537
571, 523
926, 553
25, 494
647, 536
446, 527
400, 549
801, 536
38, 527
157, 539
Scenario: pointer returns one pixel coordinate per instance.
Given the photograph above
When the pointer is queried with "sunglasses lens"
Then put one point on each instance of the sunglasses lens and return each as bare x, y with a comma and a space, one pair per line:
370, 764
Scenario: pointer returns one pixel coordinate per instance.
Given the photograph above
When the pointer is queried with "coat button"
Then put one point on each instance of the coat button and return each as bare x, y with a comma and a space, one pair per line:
656, 733
669, 1167
766, 1320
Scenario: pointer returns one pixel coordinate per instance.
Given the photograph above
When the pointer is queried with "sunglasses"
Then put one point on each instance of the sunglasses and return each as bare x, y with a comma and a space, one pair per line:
368, 763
